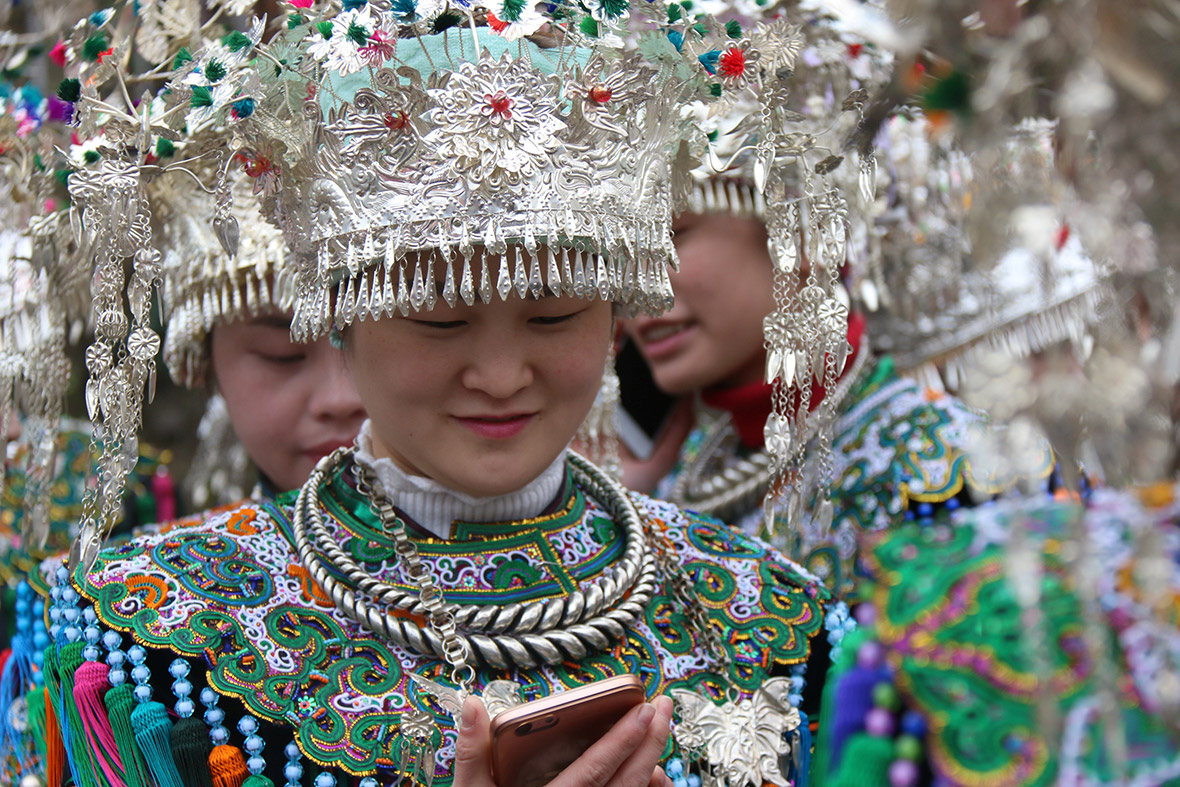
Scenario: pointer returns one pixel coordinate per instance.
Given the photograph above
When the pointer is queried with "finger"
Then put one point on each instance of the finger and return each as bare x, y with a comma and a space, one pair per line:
658, 778
639, 768
598, 764
473, 764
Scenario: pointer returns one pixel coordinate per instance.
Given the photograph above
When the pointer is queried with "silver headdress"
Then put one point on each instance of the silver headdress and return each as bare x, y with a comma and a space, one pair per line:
40, 292
202, 284
787, 151
124, 146
395, 160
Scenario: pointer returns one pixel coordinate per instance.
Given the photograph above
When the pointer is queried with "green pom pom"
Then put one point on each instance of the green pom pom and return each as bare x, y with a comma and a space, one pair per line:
324, 29
614, 8
294, 21
588, 27
952, 93
202, 97
165, 148
214, 71
182, 57
733, 28
715, 89
62, 176
700, 29
237, 41
94, 46
357, 34
713, 135
91, 156
512, 10
69, 90
674, 12
885, 696
38, 163
445, 21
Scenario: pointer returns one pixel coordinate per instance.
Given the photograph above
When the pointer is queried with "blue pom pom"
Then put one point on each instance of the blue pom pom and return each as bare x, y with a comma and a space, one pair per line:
677, 39
674, 768
709, 60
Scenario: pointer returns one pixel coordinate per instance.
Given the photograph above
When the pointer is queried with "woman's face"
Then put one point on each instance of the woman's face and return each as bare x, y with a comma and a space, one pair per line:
725, 286
481, 398
290, 403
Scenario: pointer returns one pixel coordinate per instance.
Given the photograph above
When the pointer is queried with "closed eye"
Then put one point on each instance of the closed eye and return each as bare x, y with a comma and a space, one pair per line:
556, 320
440, 324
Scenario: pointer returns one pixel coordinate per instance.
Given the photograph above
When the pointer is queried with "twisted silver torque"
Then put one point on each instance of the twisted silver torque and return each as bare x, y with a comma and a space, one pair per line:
522, 635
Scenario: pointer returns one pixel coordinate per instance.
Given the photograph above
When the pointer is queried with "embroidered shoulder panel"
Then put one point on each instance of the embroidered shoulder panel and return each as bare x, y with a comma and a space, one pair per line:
232, 589
984, 667
899, 453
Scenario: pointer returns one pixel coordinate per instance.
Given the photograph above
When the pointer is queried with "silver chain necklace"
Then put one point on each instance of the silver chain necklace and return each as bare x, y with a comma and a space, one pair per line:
742, 481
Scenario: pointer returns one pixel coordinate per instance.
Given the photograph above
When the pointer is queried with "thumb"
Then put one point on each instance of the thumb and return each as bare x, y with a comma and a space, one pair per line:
473, 750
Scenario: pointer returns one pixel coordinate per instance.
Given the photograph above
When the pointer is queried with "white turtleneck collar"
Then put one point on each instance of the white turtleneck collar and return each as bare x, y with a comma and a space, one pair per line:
436, 508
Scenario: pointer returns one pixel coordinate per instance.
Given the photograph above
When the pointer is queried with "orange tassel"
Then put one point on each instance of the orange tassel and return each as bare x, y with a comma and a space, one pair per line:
55, 748
227, 765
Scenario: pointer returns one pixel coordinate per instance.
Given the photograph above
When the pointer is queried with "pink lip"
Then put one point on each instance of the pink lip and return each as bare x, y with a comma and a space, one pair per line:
496, 427
323, 449
658, 349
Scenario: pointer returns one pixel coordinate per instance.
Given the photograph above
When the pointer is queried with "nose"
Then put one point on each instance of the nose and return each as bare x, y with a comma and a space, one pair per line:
500, 369
334, 397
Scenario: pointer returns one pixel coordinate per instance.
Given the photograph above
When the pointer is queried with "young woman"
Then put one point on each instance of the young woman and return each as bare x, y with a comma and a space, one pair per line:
466, 226
228, 331
866, 449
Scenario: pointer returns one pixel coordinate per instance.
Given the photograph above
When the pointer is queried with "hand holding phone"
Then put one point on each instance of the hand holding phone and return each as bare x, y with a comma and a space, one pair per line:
626, 755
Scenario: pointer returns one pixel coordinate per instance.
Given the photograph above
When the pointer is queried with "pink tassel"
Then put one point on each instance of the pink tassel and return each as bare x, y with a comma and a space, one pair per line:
164, 493
90, 684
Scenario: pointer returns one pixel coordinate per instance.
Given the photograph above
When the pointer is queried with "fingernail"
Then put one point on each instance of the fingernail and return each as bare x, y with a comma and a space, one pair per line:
468, 719
646, 714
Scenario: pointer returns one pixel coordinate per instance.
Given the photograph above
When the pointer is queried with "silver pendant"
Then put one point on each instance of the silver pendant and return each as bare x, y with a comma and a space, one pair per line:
742, 742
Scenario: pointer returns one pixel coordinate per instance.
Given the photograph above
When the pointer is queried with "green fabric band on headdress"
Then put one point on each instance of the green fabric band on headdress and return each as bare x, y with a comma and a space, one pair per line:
444, 52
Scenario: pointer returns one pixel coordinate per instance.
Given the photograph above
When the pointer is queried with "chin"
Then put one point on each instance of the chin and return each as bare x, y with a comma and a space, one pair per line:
678, 381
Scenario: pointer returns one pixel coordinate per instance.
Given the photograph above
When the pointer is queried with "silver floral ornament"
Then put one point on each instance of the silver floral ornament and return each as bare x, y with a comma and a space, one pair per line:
496, 122
742, 742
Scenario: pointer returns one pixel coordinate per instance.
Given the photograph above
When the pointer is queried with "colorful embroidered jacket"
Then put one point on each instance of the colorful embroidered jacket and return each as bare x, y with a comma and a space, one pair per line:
899, 454
1032, 643
229, 595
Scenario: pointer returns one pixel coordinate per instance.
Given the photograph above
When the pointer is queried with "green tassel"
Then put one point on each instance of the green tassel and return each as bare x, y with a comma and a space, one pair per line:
236, 41
864, 762
38, 724
152, 733
69, 90
94, 46
257, 780
120, 701
190, 751
68, 661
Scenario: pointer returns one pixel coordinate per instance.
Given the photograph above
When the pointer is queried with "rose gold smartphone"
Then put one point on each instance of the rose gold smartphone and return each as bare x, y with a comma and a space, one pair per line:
534, 742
